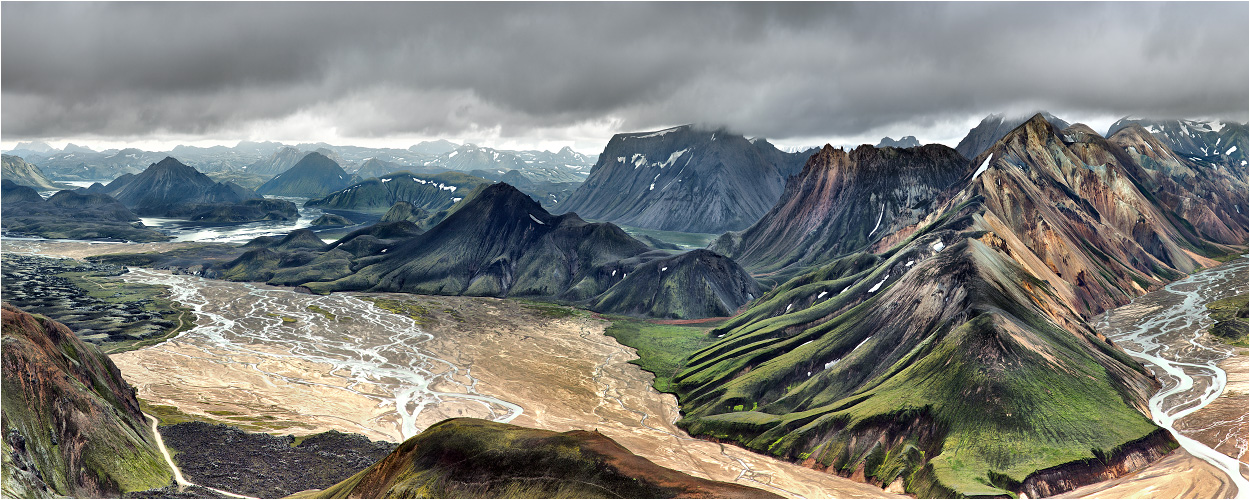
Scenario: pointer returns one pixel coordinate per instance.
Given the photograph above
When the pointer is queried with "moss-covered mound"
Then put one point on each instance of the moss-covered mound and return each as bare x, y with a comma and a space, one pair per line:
472, 458
71, 425
1230, 316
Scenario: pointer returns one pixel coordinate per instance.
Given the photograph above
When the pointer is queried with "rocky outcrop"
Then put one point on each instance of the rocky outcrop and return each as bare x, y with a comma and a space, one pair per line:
471, 458
683, 179
71, 425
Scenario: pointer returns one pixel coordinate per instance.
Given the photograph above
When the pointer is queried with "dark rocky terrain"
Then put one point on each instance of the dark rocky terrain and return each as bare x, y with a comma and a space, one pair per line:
471, 458
71, 215
71, 425
684, 179
170, 186
497, 242
266, 466
109, 313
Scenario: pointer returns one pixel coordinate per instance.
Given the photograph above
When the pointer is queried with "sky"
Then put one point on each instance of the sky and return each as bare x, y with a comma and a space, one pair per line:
546, 75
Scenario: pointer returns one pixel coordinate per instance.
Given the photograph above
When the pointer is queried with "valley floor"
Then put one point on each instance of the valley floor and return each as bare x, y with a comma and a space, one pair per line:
388, 365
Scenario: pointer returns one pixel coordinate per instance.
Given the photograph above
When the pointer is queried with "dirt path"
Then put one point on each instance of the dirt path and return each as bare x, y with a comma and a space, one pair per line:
178, 478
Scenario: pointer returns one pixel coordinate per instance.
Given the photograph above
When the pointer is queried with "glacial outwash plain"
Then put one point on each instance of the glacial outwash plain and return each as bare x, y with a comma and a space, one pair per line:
625, 250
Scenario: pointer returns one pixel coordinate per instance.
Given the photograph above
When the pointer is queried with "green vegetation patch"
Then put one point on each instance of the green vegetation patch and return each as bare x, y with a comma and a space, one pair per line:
319, 310
662, 349
419, 313
550, 311
1231, 324
687, 241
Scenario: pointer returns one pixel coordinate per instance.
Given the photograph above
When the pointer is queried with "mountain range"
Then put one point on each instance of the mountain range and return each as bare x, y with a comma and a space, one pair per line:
19, 171
952, 355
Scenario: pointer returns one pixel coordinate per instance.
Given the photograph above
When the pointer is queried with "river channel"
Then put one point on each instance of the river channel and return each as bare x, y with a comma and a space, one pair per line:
1167, 331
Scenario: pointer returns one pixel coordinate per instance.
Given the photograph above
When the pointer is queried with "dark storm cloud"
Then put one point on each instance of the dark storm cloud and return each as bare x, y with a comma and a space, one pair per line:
779, 70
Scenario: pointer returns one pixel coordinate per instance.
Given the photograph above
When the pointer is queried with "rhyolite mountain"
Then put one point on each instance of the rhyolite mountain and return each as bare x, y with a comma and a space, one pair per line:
1213, 141
19, 171
952, 355
428, 192
473, 458
683, 179
313, 176
71, 215
842, 201
994, 127
909, 141
71, 425
496, 242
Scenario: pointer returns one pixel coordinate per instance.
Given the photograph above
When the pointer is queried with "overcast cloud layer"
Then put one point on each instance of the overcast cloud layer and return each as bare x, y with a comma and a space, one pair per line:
579, 72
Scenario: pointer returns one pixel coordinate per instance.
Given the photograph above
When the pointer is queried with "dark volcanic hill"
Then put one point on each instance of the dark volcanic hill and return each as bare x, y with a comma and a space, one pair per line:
472, 458
496, 242
71, 215
17, 170
954, 357
994, 127
169, 185
683, 179
314, 176
427, 192
843, 201
72, 426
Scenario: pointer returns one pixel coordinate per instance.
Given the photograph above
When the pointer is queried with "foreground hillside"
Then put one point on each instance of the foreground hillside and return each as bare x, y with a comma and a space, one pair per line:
72, 426
471, 458
956, 359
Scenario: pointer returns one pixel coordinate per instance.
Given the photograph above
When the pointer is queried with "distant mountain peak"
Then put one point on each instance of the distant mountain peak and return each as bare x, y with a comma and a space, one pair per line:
908, 141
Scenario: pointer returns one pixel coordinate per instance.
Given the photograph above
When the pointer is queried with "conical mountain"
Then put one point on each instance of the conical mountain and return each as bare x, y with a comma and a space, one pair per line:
994, 127
280, 161
957, 360
19, 171
683, 179
170, 184
314, 176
